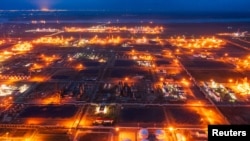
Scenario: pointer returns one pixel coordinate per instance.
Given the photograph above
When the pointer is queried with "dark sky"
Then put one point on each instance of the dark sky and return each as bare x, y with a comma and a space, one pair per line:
131, 5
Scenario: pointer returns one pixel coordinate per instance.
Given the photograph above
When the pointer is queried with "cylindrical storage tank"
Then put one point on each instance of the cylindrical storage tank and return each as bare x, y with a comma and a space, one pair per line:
160, 134
143, 133
126, 139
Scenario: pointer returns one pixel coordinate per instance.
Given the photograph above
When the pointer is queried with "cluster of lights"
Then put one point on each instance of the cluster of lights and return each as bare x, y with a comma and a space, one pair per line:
207, 115
14, 77
105, 41
35, 22
5, 55
243, 63
22, 47
93, 57
185, 82
242, 87
101, 109
79, 67
111, 40
82, 42
143, 57
6, 90
180, 137
53, 98
116, 29
47, 60
147, 30
218, 91
209, 42
2, 42
234, 34
36, 66
97, 29
43, 30
142, 40
38, 79
53, 40
145, 60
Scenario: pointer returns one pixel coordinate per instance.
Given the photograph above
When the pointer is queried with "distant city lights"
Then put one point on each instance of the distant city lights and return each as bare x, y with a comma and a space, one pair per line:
117, 29
53, 41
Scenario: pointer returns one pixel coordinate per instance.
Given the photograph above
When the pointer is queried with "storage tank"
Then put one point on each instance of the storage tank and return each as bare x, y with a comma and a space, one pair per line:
144, 140
143, 133
126, 139
160, 134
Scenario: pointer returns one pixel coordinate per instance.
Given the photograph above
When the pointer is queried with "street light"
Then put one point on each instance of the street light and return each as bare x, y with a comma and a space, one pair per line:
117, 129
126, 78
171, 129
7, 135
161, 79
230, 80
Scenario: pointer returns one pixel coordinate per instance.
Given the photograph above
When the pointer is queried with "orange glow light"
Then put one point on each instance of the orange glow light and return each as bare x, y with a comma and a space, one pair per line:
209, 42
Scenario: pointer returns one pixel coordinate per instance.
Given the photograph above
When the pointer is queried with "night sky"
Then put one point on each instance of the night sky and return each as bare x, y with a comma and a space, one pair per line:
131, 5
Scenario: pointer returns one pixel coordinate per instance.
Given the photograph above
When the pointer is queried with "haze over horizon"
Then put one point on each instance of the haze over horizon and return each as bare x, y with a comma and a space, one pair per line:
131, 5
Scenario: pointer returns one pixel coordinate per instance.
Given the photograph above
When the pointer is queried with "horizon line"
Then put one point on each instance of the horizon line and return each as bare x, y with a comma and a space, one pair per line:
108, 10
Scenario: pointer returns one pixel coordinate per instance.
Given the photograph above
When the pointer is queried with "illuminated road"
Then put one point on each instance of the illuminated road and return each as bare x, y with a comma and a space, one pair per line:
55, 33
238, 45
243, 40
78, 132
